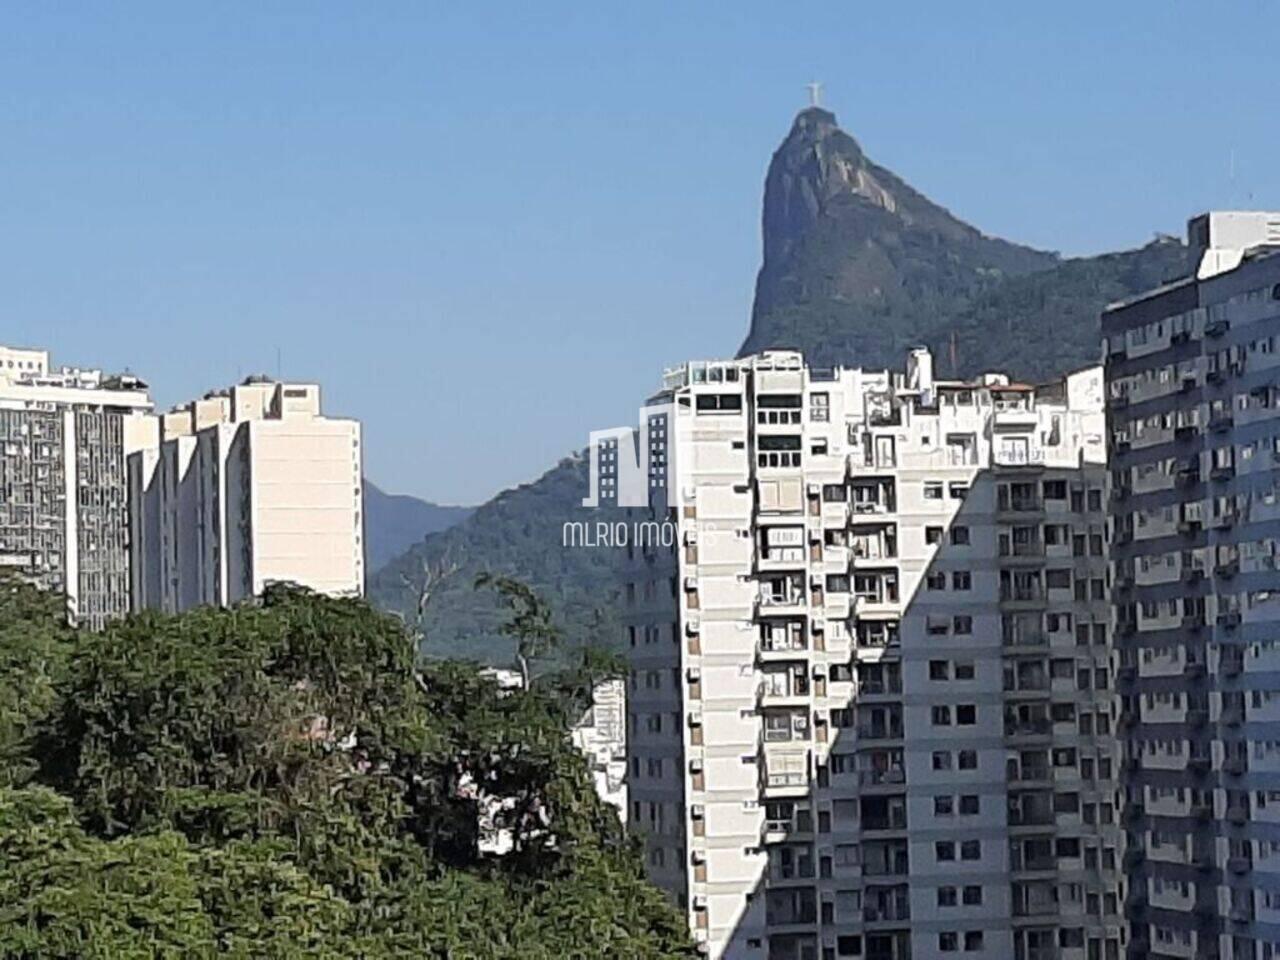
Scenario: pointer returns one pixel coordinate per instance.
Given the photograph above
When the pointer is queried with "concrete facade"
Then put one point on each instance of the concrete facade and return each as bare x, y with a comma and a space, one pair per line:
1193, 383
870, 701
246, 487
64, 437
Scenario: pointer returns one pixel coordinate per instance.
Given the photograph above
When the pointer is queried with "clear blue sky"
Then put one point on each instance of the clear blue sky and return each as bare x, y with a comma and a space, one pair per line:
486, 228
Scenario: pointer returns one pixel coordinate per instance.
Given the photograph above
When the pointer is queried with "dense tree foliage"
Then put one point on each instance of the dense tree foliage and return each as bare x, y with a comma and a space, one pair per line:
284, 780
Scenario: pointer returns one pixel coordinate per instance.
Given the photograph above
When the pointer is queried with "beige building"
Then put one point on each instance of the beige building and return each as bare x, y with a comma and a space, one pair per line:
64, 436
869, 712
246, 487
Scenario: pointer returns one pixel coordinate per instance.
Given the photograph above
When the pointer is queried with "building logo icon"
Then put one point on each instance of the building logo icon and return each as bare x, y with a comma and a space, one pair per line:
629, 467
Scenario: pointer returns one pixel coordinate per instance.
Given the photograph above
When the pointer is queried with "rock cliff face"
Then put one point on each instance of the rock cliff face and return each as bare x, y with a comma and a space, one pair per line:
858, 265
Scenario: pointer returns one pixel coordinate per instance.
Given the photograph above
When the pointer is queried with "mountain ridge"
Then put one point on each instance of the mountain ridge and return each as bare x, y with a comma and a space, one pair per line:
857, 267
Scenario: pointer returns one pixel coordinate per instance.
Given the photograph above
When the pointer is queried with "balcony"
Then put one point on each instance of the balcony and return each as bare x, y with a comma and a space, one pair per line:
1217, 328
1235, 766
1221, 423
887, 913
875, 731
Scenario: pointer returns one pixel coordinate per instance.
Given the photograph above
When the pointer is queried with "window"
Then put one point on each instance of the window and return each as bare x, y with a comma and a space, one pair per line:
966, 715
948, 942
1055, 489
1057, 579
968, 759
939, 670
943, 806
958, 491
973, 939
944, 850
964, 668
834, 493
972, 896
942, 760
932, 535
971, 850
946, 896
962, 624
933, 490
961, 580
960, 536
969, 804
936, 581
719, 402
819, 407
942, 716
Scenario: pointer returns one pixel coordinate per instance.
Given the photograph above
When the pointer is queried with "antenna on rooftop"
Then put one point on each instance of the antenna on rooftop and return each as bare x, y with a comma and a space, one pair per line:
815, 93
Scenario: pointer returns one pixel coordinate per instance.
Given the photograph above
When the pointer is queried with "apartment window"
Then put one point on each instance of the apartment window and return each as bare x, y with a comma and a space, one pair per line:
941, 716
834, 493
719, 402
944, 850
1095, 500
942, 760
933, 490
973, 940
964, 668
939, 670
958, 491
943, 806
966, 714
1057, 579
1055, 489
973, 896
932, 535
960, 536
971, 850
946, 896
936, 581
948, 942
968, 760
969, 804
819, 407
961, 580
962, 625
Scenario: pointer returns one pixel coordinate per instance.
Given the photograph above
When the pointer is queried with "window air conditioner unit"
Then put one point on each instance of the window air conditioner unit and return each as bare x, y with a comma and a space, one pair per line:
695, 719
698, 811
694, 674
690, 537
698, 856
693, 626
691, 583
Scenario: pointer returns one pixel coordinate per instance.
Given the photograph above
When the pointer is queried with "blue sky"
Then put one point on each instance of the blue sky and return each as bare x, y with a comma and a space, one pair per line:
486, 228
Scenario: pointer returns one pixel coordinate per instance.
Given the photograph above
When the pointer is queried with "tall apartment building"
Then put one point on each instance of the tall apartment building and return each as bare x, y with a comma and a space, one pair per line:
247, 486
64, 437
870, 704
1193, 380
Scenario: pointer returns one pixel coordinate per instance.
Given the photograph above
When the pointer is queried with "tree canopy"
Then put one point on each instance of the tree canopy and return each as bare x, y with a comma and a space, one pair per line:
284, 779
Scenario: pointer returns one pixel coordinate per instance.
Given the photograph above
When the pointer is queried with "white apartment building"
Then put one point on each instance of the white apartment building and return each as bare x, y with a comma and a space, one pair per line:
64, 437
246, 487
870, 702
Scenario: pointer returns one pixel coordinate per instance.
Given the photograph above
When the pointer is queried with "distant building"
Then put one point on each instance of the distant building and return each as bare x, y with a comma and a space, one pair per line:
246, 487
1193, 384
64, 438
870, 702
601, 737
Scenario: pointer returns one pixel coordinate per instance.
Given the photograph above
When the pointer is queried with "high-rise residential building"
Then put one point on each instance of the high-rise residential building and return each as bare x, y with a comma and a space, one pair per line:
1193, 383
247, 486
64, 437
870, 703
